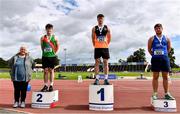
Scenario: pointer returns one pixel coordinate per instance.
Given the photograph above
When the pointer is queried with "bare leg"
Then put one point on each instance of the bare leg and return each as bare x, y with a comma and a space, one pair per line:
106, 68
97, 62
51, 76
155, 81
165, 81
46, 71
44, 89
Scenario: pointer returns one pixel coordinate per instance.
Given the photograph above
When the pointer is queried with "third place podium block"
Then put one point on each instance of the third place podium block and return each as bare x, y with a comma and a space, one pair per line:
101, 97
163, 105
44, 99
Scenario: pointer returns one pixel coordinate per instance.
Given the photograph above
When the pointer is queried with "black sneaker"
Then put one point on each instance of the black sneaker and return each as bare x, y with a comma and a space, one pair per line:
96, 82
106, 82
44, 89
50, 88
168, 96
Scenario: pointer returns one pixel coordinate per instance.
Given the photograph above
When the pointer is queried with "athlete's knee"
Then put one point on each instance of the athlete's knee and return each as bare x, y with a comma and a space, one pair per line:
46, 70
105, 61
155, 77
165, 78
51, 69
97, 61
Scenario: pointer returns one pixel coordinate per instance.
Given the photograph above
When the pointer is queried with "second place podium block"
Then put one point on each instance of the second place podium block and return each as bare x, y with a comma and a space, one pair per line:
44, 99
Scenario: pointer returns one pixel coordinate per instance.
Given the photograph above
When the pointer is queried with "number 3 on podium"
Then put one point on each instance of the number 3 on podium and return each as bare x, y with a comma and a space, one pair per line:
101, 92
165, 104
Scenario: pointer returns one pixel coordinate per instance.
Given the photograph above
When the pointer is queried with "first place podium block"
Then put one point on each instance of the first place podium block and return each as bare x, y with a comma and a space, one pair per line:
101, 97
163, 105
44, 99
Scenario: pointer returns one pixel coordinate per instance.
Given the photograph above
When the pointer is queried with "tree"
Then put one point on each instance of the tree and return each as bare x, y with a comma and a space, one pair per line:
172, 59
138, 56
3, 63
38, 61
121, 61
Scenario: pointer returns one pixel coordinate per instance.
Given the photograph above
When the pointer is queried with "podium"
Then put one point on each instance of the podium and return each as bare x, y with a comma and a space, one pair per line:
101, 97
44, 99
163, 105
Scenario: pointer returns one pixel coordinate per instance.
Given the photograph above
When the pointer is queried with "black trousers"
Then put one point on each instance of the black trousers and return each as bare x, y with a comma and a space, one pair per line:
20, 89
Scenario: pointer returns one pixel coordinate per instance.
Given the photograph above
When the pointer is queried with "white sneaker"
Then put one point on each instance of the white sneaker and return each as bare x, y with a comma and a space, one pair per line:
155, 96
22, 105
15, 105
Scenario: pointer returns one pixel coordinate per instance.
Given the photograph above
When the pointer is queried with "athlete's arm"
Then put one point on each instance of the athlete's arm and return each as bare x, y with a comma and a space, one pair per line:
150, 45
57, 44
93, 36
109, 36
10, 62
41, 43
169, 44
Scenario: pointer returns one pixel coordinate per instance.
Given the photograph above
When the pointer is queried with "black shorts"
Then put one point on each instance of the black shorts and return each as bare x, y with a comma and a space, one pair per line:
160, 64
49, 62
101, 52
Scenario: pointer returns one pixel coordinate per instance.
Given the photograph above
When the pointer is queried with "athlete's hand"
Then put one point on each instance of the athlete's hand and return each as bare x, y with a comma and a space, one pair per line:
29, 80
151, 53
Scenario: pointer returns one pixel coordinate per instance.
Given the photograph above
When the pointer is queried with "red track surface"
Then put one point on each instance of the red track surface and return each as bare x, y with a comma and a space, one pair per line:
131, 96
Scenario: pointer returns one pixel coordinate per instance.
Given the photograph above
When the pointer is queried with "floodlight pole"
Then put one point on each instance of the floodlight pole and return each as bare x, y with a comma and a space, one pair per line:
65, 58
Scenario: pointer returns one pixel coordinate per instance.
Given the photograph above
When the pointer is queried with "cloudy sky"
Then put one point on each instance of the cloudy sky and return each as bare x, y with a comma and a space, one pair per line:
131, 22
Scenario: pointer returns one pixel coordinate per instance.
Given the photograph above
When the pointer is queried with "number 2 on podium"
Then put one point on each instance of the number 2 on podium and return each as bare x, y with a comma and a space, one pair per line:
39, 99
101, 92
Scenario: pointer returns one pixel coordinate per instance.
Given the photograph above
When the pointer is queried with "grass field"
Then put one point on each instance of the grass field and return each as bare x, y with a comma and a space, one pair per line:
176, 69
74, 75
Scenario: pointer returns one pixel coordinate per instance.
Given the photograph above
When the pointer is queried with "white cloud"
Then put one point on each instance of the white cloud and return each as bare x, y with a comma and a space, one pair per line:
131, 23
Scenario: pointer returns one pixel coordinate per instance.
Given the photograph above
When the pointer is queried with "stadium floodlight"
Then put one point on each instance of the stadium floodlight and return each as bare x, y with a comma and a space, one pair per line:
65, 58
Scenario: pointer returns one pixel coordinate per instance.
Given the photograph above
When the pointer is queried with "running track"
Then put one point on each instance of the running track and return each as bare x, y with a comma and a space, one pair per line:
131, 96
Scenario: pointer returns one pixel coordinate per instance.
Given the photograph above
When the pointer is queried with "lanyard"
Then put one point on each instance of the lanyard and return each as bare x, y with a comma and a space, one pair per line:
159, 39
49, 38
101, 28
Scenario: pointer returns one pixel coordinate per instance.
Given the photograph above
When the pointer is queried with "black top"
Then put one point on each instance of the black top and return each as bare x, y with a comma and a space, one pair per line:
101, 33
